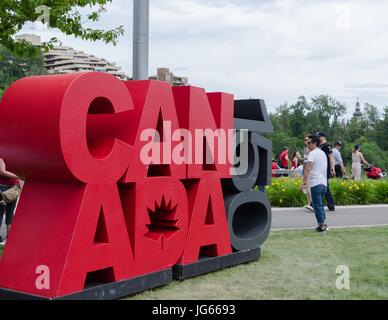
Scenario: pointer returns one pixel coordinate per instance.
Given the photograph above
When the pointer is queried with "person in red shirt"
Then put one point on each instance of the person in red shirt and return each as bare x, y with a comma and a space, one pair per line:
7, 181
274, 167
284, 158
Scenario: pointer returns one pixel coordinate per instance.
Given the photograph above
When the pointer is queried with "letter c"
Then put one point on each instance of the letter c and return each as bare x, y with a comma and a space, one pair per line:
95, 157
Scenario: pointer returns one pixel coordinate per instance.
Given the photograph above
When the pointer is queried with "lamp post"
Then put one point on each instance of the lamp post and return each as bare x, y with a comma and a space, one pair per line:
141, 12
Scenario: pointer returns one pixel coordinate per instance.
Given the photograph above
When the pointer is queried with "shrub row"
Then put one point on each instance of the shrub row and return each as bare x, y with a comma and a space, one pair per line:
285, 192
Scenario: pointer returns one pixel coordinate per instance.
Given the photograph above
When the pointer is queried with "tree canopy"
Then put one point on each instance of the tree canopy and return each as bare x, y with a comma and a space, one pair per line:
13, 67
63, 15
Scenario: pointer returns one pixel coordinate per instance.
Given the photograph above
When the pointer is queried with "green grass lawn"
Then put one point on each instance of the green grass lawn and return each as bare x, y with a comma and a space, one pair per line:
297, 265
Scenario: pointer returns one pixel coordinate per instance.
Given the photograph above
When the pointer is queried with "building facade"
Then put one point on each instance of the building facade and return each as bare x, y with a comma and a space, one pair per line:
65, 60
164, 74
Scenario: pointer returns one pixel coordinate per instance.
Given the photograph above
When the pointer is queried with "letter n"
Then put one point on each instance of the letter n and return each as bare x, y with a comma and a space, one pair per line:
211, 112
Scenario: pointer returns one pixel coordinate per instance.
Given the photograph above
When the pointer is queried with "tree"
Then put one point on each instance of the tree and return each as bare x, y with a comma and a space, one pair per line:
371, 115
382, 131
281, 139
13, 67
281, 118
329, 111
64, 15
297, 120
374, 154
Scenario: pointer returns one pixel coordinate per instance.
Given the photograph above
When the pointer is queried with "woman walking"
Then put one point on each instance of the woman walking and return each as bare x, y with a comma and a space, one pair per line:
296, 158
358, 160
307, 190
7, 181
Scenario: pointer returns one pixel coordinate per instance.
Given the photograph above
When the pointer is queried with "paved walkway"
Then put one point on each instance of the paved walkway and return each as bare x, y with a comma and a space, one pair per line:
356, 216
300, 218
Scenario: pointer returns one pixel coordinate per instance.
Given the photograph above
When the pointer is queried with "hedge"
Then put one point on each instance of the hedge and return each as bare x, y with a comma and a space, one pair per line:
285, 192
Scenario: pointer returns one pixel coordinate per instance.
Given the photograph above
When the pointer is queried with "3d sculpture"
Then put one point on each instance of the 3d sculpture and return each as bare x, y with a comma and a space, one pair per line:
94, 220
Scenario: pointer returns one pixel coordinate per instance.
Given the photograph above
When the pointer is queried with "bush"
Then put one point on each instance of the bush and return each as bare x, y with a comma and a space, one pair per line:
381, 192
285, 192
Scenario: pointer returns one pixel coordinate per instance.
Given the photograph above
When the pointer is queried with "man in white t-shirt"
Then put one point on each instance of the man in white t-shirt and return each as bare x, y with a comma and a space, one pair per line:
315, 178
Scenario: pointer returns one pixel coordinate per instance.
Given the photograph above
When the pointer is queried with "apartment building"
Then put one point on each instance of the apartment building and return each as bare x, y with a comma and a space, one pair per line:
164, 74
65, 60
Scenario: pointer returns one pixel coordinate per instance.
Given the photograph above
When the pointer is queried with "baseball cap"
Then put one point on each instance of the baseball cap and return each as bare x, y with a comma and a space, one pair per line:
322, 134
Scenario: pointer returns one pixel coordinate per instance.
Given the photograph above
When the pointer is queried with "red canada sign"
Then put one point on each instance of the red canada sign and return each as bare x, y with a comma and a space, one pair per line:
93, 216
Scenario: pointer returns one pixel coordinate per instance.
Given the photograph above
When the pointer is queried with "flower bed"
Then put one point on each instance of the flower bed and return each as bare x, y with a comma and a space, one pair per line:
285, 192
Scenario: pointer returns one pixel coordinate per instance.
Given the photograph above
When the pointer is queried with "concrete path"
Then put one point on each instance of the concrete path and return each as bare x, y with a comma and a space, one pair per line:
356, 216
300, 218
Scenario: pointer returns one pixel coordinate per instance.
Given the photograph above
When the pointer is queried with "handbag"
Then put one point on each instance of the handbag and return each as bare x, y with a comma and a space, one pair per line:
12, 194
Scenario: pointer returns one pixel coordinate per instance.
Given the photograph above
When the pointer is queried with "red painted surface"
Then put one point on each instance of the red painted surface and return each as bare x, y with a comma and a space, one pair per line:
90, 209
198, 110
208, 226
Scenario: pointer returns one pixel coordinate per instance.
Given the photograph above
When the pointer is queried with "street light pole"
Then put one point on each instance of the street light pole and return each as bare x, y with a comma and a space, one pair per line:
141, 12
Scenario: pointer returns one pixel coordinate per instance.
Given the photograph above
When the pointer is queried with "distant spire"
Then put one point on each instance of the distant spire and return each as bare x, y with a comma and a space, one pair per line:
358, 113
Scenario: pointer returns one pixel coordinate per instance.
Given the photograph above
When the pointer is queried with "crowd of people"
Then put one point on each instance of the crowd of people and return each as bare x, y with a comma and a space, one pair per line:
320, 162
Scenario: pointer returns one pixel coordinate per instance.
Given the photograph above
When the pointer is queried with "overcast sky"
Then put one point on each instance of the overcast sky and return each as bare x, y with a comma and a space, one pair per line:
273, 49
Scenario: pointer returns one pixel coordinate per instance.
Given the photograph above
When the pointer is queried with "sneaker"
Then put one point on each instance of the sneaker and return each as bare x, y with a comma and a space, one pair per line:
3, 242
322, 228
331, 209
309, 208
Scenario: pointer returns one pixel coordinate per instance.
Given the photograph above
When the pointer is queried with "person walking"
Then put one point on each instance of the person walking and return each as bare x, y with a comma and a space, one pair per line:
296, 157
307, 190
358, 160
315, 177
284, 158
7, 181
327, 149
275, 167
339, 167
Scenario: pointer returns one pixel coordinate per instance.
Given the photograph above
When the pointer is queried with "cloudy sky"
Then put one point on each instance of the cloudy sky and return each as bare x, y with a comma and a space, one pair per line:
273, 49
